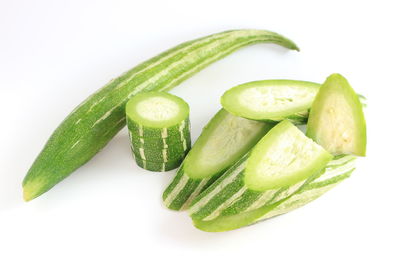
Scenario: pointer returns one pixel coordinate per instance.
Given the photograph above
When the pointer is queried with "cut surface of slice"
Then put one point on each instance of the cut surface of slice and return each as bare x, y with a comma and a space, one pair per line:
157, 110
336, 119
284, 156
224, 140
270, 99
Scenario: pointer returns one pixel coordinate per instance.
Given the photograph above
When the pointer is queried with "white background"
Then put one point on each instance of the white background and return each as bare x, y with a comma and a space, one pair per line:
53, 54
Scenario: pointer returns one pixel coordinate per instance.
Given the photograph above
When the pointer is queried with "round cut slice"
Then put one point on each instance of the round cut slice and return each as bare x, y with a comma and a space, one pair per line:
270, 99
159, 130
157, 109
284, 156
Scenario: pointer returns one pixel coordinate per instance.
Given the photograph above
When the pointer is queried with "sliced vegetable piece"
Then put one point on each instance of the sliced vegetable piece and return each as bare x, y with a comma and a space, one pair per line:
163, 117
336, 119
334, 174
283, 157
223, 141
281, 162
272, 100
337, 170
93, 123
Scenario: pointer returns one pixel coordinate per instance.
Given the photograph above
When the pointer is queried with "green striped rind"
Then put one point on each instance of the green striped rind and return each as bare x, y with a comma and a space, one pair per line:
184, 187
174, 151
160, 149
158, 166
171, 134
160, 142
229, 195
92, 124
337, 170
334, 174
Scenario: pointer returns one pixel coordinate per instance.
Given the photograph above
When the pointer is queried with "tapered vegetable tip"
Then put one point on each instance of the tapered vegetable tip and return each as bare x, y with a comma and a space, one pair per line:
336, 119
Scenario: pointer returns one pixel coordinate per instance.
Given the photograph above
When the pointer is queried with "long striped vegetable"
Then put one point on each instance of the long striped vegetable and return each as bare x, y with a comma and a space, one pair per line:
281, 162
159, 130
336, 171
101, 116
224, 140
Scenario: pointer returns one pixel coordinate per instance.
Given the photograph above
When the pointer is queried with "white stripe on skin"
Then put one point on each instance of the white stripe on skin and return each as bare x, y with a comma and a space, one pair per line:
77, 142
178, 188
164, 133
141, 151
194, 194
202, 202
165, 156
264, 198
226, 204
163, 167
141, 131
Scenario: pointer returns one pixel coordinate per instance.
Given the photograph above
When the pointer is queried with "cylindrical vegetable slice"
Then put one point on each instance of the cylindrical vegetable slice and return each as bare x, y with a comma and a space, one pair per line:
281, 162
101, 116
337, 120
224, 140
336, 171
158, 116
271, 100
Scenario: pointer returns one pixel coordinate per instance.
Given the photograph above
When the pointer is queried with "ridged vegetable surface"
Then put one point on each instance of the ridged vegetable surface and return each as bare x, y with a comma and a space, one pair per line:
281, 162
224, 140
93, 123
337, 170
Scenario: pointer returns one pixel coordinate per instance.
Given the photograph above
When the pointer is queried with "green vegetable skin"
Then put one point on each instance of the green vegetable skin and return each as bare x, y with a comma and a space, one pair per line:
281, 162
271, 100
159, 130
224, 140
101, 116
336, 119
336, 171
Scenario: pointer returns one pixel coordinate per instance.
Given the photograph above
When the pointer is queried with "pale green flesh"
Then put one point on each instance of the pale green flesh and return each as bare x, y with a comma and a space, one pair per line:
283, 157
157, 109
270, 99
222, 141
336, 119
337, 170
